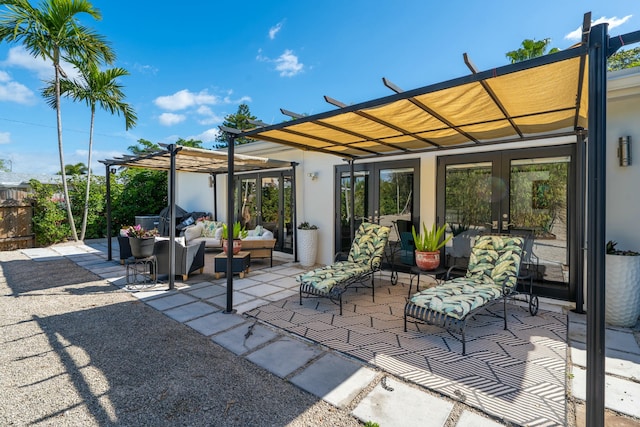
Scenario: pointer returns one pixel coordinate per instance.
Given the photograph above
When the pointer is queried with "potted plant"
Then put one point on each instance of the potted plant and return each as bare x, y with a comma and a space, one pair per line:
141, 240
428, 245
622, 286
307, 244
238, 232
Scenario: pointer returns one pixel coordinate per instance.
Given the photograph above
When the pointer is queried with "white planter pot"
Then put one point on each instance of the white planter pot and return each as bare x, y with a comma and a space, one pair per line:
622, 290
307, 247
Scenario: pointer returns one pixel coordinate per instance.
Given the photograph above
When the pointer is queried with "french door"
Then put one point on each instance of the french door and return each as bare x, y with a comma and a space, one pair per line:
527, 191
384, 193
265, 199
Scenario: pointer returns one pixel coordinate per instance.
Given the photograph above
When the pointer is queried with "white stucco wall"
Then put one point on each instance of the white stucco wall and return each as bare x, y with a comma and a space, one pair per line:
622, 183
193, 192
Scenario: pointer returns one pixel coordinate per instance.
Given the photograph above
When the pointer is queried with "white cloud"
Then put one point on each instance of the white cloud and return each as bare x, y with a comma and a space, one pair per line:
145, 69
208, 135
288, 64
19, 57
170, 119
209, 117
13, 91
275, 30
184, 99
613, 23
241, 100
5, 137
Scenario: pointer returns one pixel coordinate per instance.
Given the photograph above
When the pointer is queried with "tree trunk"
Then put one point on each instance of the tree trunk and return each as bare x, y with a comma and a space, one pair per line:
67, 200
85, 212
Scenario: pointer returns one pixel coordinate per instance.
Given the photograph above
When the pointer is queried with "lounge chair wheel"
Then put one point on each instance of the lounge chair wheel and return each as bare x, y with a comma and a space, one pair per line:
533, 304
394, 278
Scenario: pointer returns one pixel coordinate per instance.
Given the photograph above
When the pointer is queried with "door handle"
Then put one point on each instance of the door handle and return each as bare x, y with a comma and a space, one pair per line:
506, 225
493, 224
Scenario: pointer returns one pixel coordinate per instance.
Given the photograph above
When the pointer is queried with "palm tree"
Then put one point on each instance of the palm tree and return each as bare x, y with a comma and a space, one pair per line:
77, 169
53, 32
94, 87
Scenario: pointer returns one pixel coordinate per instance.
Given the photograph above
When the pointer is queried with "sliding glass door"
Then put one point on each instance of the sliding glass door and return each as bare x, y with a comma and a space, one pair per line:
266, 199
384, 193
525, 191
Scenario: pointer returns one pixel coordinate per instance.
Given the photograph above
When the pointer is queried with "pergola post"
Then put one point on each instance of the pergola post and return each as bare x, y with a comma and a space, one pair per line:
352, 200
173, 150
579, 227
108, 197
294, 211
596, 215
230, 218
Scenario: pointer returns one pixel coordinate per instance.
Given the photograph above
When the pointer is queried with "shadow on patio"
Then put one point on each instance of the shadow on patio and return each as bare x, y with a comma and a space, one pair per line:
518, 375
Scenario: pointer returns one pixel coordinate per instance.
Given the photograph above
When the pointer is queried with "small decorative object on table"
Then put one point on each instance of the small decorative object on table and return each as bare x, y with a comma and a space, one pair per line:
239, 232
622, 286
307, 244
428, 245
141, 241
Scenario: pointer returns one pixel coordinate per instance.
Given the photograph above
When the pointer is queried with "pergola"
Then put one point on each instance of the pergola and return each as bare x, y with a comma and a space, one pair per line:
554, 95
176, 158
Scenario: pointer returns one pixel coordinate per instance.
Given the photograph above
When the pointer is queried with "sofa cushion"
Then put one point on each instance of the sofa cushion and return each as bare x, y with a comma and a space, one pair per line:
209, 242
264, 234
193, 231
179, 240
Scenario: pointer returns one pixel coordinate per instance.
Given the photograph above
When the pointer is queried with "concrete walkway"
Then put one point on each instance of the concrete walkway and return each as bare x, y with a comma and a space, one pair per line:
369, 394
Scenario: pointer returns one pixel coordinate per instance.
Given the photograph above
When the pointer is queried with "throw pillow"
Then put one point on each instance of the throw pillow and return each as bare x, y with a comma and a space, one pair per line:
259, 230
218, 234
209, 228
193, 231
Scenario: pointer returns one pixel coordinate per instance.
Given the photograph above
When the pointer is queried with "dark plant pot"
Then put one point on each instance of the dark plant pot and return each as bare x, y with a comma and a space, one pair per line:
427, 260
237, 246
141, 248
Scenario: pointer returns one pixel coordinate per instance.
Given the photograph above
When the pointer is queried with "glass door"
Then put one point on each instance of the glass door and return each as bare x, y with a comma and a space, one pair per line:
385, 193
524, 192
265, 199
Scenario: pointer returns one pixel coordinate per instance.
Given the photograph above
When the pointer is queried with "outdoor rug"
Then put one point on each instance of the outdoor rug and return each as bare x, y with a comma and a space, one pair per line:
517, 375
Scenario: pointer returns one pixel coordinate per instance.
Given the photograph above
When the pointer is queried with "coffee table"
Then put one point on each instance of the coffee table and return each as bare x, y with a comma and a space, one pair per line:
240, 263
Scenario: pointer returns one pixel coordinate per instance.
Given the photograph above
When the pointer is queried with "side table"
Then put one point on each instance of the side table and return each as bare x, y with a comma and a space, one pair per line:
438, 274
240, 263
142, 271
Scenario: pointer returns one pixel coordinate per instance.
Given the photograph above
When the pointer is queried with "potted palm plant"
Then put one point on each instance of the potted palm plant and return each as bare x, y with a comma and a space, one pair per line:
622, 286
238, 233
428, 245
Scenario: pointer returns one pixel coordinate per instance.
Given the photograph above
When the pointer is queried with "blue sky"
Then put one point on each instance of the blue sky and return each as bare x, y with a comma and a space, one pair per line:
191, 67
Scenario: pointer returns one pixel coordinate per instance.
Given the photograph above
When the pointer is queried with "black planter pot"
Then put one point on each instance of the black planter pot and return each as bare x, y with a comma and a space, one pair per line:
141, 248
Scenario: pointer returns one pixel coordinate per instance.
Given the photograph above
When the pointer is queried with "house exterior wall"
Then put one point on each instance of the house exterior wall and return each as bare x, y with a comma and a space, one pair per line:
623, 119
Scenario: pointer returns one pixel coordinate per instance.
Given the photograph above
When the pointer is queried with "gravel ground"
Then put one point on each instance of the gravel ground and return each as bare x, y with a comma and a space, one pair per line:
77, 351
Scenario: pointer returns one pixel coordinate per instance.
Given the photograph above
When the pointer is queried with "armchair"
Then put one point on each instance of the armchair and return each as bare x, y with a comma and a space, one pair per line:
189, 258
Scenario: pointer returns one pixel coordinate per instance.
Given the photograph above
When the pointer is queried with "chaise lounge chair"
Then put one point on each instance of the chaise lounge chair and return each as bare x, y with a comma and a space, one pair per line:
365, 258
492, 276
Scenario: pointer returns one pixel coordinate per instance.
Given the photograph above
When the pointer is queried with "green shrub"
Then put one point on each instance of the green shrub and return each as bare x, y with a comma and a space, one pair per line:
50, 223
